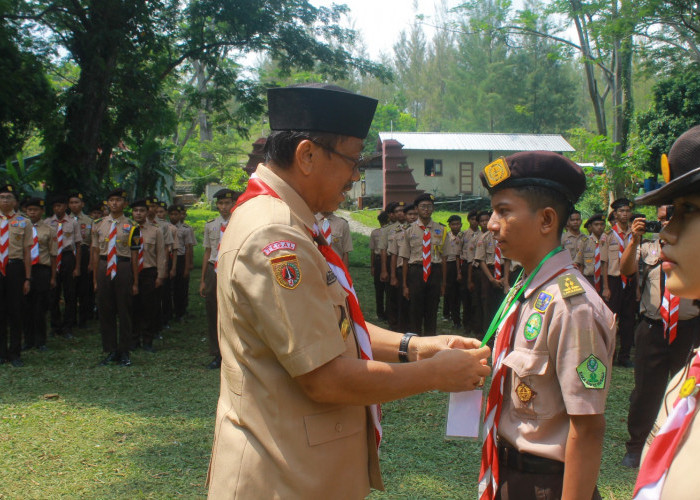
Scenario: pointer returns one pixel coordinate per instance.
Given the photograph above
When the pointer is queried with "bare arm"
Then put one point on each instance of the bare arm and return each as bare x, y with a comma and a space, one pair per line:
629, 261
205, 263
584, 448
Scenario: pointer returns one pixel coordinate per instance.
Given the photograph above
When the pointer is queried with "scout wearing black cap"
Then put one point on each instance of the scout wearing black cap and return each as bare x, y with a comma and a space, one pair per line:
594, 218
139, 203
75, 194
681, 170
535, 168
391, 206
59, 198
316, 107
120, 193
620, 203
34, 202
8, 188
223, 194
454, 218
151, 201
424, 197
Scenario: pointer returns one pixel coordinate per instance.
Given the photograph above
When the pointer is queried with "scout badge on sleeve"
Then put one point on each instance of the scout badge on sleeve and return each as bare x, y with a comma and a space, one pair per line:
497, 171
286, 271
592, 372
542, 302
533, 326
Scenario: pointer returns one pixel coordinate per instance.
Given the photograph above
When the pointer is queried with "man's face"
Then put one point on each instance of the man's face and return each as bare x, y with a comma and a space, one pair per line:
575, 222
597, 228
400, 215
152, 211
412, 216
514, 225
161, 213
483, 223
59, 209
455, 226
622, 214
425, 210
224, 207
7, 202
332, 175
473, 223
680, 250
139, 214
116, 204
174, 216
76, 205
34, 213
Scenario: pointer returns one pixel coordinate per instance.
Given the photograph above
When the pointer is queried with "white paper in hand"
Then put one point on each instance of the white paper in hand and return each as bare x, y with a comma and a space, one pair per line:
464, 414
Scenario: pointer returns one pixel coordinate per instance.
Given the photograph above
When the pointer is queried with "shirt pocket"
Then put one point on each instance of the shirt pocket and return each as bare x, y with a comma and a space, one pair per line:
531, 386
330, 426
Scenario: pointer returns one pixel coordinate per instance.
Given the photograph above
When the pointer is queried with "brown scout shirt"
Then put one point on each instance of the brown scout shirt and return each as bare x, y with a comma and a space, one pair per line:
396, 238
649, 251
71, 231
281, 315
610, 251
341, 240
20, 235
453, 246
585, 257
374, 241
185, 236
411, 247
555, 338
167, 232
572, 242
48, 247
384, 235
486, 249
212, 233
100, 235
469, 241
85, 224
154, 249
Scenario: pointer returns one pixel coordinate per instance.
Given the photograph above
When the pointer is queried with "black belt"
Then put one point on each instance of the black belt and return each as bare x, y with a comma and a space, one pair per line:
509, 457
119, 259
656, 322
14, 261
66, 250
416, 264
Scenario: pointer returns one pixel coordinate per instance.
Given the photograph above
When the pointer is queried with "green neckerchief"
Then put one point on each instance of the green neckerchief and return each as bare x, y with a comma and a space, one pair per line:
513, 295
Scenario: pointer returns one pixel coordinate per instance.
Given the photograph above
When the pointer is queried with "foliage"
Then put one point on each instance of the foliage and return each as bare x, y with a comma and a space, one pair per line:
23, 173
388, 117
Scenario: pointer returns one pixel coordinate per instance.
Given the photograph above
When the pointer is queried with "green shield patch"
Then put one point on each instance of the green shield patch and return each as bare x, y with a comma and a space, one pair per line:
592, 372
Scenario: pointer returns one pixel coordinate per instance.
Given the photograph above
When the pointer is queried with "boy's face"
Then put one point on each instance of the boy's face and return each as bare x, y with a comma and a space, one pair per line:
76, 205
455, 226
597, 228
622, 214
116, 204
575, 222
224, 207
515, 226
59, 209
95, 214
139, 214
679, 253
161, 213
174, 216
34, 213
483, 223
400, 215
7, 202
411, 216
473, 223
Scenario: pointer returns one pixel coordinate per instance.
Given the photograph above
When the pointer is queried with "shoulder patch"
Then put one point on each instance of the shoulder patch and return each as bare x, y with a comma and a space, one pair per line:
592, 372
279, 245
542, 302
569, 285
533, 327
286, 270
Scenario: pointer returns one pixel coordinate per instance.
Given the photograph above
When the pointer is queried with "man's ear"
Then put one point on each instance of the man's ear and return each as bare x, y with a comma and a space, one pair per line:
303, 155
549, 220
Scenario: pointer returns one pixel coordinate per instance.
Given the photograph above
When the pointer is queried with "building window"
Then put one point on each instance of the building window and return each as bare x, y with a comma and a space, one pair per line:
433, 168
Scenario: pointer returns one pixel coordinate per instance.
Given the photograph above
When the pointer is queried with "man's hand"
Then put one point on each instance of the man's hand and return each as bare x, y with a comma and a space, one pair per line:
76, 271
26, 287
186, 273
496, 283
457, 370
638, 226
406, 293
470, 286
606, 294
427, 347
384, 276
459, 277
394, 281
202, 293
134, 289
159, 282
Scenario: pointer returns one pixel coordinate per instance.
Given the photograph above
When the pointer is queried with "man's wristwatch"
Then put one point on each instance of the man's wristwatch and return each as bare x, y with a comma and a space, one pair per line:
403, 347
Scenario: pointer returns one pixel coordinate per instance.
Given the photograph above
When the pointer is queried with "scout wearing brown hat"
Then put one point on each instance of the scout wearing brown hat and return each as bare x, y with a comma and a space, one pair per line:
553, 352
297, 415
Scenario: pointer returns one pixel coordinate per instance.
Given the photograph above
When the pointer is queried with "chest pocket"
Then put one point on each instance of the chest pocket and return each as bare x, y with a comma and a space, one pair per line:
531, 388
17, 232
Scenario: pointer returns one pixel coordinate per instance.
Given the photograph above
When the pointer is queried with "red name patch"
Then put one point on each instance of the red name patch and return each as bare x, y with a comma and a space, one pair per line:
279, 245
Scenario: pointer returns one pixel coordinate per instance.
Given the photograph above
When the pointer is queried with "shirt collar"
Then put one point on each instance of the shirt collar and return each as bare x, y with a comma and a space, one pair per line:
287, 194
552, 266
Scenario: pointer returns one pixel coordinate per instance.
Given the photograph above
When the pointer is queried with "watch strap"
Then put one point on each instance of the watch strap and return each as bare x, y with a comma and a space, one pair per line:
403, 346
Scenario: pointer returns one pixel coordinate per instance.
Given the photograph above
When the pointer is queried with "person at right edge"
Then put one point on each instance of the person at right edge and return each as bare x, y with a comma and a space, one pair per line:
545, 420
670, 462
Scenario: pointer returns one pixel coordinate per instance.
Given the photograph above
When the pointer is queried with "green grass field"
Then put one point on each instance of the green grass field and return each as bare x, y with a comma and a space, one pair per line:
70, 429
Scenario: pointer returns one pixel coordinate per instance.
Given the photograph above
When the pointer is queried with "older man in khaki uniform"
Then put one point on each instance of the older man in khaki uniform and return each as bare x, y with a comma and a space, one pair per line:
296, 415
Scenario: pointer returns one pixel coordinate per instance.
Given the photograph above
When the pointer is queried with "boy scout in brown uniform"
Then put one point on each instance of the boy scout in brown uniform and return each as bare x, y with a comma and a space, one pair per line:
68, 268
337, 234
43, 257
171, 246
152, 270
586, 256
284, 364
213, 230
492, 289
115, 245
557, 353
620, 291
375, 265
572, 238
15, 274
396, 238
471, 306
453, 277
424, 285
84, 294
187, 241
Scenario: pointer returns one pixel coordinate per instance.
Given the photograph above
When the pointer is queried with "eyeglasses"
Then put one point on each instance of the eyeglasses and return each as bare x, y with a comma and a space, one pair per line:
426, 206
356, 162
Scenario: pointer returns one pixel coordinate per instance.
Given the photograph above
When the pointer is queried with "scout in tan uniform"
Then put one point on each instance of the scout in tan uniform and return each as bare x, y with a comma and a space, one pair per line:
172, 244
591, 248
572, 238
43, 256
396, 239
296, 416
225, 198
620, 291
152, 270
556, 341
470, 284
492, 289
185, 250
153, 205
424, 270
115, 246
453, 276
68, 267
375, 265
336, 230
84, 295
669, 467
15, 273
397, 218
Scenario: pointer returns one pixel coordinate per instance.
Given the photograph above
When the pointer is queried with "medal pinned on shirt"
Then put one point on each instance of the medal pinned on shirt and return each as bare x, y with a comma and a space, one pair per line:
524, 392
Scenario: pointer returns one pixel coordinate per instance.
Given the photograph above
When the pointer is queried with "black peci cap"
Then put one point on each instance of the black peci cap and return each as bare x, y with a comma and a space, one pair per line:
621, 202
119, 192
8, 188
594, 218
424, 197
226, 194
59, 198
681, 170
34, 202
75, 194
454, 218
139, 203
535, 168
320, 107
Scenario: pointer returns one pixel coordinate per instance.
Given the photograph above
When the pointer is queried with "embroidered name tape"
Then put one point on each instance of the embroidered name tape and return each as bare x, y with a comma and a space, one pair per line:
279, 245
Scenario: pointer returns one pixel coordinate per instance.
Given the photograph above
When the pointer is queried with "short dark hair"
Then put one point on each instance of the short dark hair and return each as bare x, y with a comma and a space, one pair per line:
383, 217
281, 145
574, 211
482, 213
538, 197
472, 213
454, 218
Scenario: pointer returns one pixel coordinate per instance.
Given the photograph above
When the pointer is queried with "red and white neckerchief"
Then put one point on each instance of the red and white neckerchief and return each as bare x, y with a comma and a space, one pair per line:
256, 187
670, 305
427, 253
141, 252
222, 230
59, 240
654, 469
326, 230
489, 472
622, 244
497, 263
112, 251
596, 266
4, 242
34, 251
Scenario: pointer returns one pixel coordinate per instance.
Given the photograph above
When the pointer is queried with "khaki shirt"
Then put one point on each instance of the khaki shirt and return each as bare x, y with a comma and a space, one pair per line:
585, 256
85, 224
554, 338
167, 233
212, 233
271, 440
20, 233
469, 241
384, 235
341, 241
374, 241
48, 247
681, 479
486, 249
125, 230
611, 251
185, 237
572, 242
71, 231
154, 249
453, 246
411, 247
649, 251
395, 237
